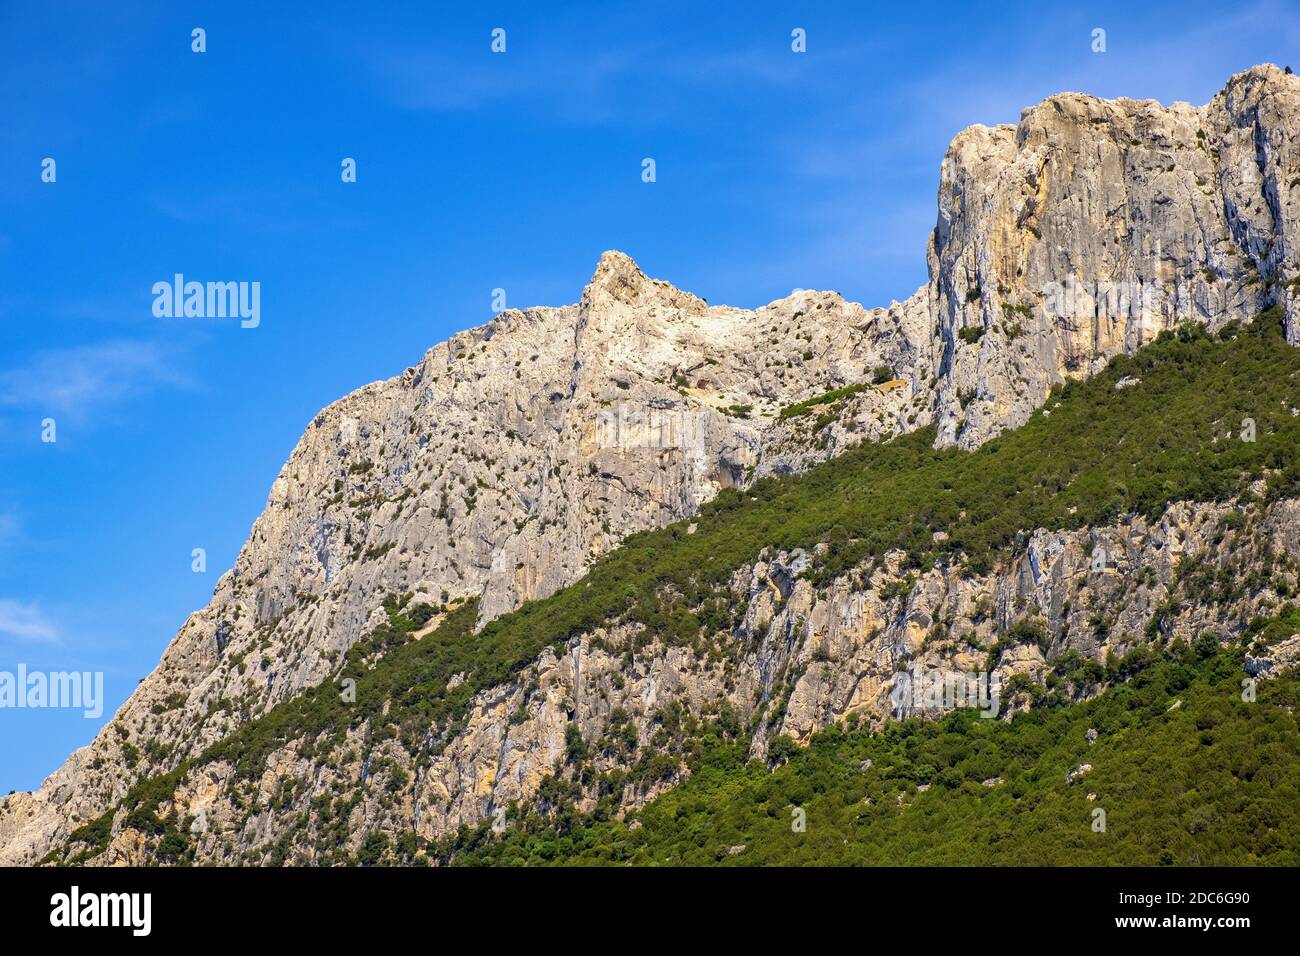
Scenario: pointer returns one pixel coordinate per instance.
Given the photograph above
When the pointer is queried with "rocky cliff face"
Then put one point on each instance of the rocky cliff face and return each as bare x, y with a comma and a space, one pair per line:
802, 658
499, 467
1092, 225
513, 454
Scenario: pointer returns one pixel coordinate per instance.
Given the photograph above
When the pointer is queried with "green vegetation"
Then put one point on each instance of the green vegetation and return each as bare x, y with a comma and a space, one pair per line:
1213, 781
835, 395
970, 334
1264, 632
1100, 453
413, 680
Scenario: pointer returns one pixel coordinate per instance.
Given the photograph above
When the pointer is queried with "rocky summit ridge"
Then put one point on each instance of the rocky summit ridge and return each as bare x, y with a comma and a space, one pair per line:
513, 455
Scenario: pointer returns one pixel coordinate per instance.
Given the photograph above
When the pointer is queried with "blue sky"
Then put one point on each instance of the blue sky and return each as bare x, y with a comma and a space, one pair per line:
775, 170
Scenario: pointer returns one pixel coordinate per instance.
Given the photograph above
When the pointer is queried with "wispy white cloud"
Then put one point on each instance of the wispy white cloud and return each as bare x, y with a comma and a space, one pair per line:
1196, 57
895, 137
591, 89
25, 622
276, 211
636, 81
80, 380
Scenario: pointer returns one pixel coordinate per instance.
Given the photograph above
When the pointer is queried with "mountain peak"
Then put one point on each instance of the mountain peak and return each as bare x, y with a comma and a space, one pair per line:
619, 280
523, 451
612, 260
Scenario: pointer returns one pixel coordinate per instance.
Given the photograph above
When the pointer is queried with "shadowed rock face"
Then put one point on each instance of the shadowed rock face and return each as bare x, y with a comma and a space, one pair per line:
1093, 224
514, 453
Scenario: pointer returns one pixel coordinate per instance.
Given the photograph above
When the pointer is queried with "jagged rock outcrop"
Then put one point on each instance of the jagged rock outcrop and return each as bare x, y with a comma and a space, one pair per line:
1093, 225
511, 455
1083, 231
499, 466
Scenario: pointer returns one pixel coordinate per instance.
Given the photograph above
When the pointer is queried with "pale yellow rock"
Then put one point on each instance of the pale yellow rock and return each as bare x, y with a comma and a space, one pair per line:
505, 459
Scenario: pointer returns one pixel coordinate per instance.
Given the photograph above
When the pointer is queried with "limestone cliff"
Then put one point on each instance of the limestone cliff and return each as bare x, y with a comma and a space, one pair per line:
801, 659
509, 457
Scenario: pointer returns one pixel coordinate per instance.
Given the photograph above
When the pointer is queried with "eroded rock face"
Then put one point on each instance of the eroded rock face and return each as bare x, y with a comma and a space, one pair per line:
1093, 225
511, 455
801, 659
499, 466
1081, 232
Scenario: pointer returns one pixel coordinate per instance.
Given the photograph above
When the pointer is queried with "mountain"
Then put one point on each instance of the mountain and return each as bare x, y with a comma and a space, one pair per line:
642, 519
970, 792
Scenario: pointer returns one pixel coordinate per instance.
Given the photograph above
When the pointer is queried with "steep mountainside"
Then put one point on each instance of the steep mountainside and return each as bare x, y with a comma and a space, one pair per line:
1110, 781
783, 609
498, 469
